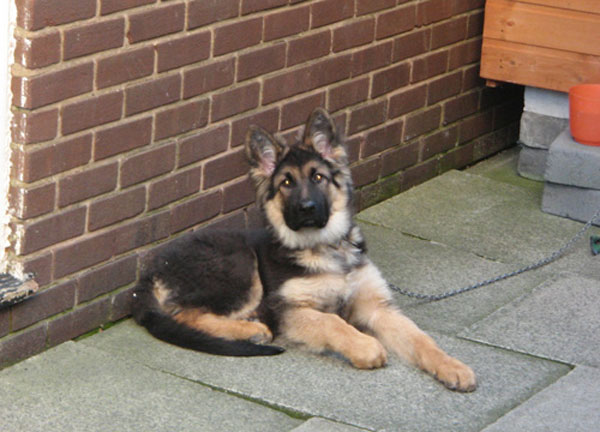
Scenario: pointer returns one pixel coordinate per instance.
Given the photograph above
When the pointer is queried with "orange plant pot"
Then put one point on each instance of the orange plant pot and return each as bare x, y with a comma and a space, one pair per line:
584, 113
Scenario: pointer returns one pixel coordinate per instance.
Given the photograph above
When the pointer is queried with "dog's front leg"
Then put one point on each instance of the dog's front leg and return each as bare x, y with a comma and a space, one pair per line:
372, 308
322, 331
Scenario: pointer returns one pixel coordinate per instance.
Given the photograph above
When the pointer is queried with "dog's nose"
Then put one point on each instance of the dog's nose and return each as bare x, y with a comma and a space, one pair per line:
307, 206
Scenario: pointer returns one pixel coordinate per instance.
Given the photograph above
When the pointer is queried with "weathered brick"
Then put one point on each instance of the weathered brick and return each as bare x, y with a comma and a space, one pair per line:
382, 139
396, 21
224, 168
110, 6
429, 66
444, 87
182, 118
202, 145
155, 22
22, 345
422, 122
152, 94
4, 322
399, 158
183, 51
331, 11
83, 40
37, 51
203, 12
227, 37
78, 322
195, 211
367, 116
123, 67
121, 304
309, 47
439, 142
371, 58
91, 112
29, 127
261, 61
368, 6
285, 23
38, 90
434, 10
296, 112
411, 44
86, 184
37, 14
213, 76
235, 101
475, 126
268, 120
52, 230
174, 187
418, 174
31, 202
390, 79
37, 164
141, 232
348, 94
465, 53
117, 208
471, 78
354, 34
366, 172
475, 25
147, 165
238, 195
231, 222
105, 279
250, 6
40, 266
122, 138
457, 158
461, 106
86, 252
448, 32
45, 304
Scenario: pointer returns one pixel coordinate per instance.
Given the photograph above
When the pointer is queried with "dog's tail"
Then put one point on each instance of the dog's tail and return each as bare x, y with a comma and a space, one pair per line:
147, 313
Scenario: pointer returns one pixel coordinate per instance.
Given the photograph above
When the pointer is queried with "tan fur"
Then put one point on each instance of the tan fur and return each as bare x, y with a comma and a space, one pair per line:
254, 298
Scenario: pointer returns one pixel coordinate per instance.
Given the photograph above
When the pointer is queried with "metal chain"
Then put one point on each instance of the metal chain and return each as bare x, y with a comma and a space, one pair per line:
547, 260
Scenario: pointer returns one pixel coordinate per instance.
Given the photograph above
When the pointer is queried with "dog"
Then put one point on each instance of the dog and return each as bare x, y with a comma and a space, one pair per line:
305, 278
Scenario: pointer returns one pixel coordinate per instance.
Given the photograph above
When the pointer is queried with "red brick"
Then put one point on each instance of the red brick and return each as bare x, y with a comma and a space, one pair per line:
203, 79
309, 47
52, 230
122, 138
286, 23
458, 158
422, 122
475, 25
30, 166
127, 66
86, 184
31, 202
476, 126
307, 78
152, 94
399, 159
382, 138
331, 11
85, 253
238, 195
146, 165
83, 40
22, 345
235, 101
367, 116
44, 304
182, 118
250, 6
29, 127
195, 211
141, 232
268, 120
155, 22
354, 34
40, 266
106, 279
411, 44
37, 51
91, 112
434, 10
183, 51
227, 37
202, 145
471, 78
78, 322
420, 173
4, 323
296, 112
121, 304
38, 90
390, 79
174, 187
366, 172
448, 32
465, 53
224, 168
429, 66
231, 222
444, 87
368, 6
439, 142
110, 6
203, 12
374, 57
261, 61
396, 21
347, 94
461, 106
407, 101
37, 14
116, 208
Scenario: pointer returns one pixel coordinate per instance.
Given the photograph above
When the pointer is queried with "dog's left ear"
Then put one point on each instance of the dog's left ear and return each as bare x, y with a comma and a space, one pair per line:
262, 151
322, 136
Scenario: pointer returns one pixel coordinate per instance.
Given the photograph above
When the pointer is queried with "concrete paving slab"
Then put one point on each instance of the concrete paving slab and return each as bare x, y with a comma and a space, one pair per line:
431, 268
572, 202
393, 398
572, 404
558, 320
77, 388
317, 424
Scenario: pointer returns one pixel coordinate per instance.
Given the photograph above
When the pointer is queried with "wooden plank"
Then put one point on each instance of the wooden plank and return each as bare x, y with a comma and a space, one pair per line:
592, 6
536, 66
542, 26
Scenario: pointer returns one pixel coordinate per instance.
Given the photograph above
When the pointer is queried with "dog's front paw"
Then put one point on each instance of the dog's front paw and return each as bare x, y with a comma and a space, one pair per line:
456, 375
368, 353
259, 333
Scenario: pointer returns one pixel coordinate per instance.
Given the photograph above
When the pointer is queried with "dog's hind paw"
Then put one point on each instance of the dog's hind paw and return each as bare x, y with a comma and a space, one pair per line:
456, 375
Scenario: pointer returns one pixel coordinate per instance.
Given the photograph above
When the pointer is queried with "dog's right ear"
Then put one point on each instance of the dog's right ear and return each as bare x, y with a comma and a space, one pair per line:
263, 152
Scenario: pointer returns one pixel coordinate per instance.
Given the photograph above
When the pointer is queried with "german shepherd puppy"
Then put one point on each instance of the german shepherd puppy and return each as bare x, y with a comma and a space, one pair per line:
305, 278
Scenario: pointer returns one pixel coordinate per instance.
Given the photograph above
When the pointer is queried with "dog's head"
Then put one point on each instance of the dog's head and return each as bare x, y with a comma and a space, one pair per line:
305, 188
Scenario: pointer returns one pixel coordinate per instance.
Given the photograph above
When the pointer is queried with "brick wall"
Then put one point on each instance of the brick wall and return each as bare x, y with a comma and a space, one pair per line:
129, 117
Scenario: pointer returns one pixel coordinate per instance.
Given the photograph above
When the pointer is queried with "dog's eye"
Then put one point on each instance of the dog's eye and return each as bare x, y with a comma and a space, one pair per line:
287, 183
318, 178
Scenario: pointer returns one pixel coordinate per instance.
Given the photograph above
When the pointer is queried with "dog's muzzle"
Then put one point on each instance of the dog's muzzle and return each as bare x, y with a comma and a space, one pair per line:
307, 213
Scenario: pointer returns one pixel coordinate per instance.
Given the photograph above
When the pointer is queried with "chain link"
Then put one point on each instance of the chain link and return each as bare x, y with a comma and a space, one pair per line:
544, 261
